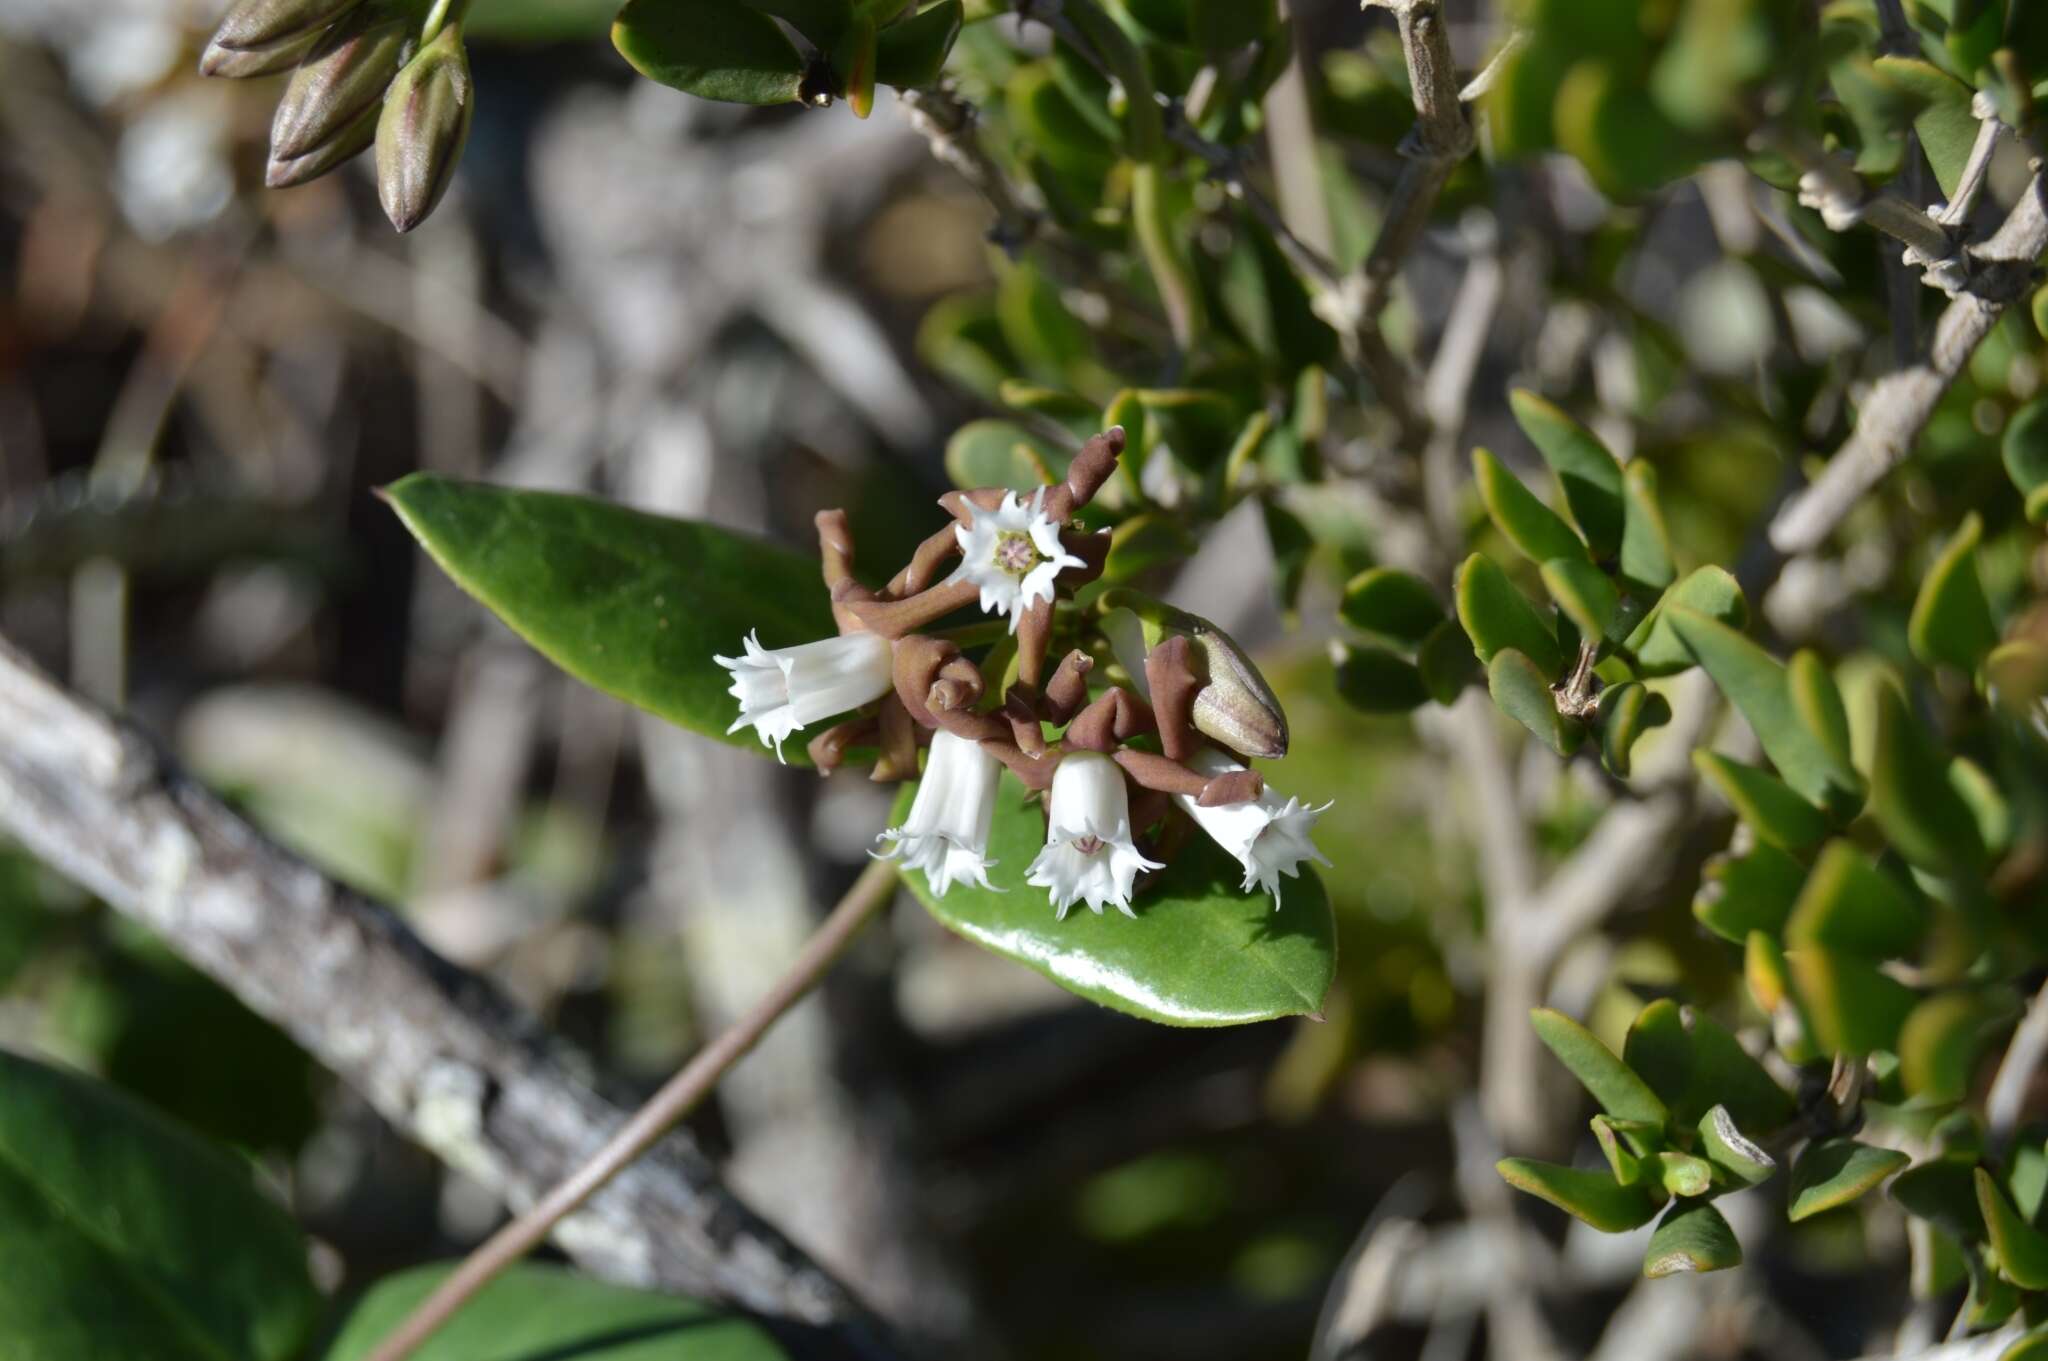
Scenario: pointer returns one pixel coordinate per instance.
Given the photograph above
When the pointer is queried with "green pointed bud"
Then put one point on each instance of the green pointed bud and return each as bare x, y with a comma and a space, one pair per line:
422, 129
349, 143
1235, 706
254, 24
345, 74
240, 63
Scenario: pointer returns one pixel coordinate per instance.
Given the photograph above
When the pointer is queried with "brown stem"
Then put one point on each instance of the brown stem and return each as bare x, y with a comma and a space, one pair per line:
894, 618
1174, 685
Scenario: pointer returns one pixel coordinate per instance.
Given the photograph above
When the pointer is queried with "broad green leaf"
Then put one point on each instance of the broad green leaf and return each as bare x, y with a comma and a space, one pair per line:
1534, 528
1377, 681
1594, 1197
1750, 892
538, 1313
1047, 121
1627, 711
1657, 648
1833, 1172
822, 22
1851, 905
540, 21
1755, 683
714, 49
1951, 620
1392, 603
1818, 702
1913, 798
1447, 662
1647, 560
1146, 541
1943, 1191
1523, 694
1682, 1174
1498, 617
2032, 1346
1292, 545
2025, 449
634, 604
2022, 1249
1692, 1236
1610, 124
1588, 473
1763, 801
1200, 952
997, 453
913, 52
1941, 1040
1987, 804
1621, 1093
1693, 1062
122, 1235
1585, 594
1625, 1143
1038, 327
1851, 1006
1729, 1149
1943, 119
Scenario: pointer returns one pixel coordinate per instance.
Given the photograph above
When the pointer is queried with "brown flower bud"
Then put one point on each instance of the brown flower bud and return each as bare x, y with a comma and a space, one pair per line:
350, 142
424, 124
345, 74
254, 24
1235, 706
240, 63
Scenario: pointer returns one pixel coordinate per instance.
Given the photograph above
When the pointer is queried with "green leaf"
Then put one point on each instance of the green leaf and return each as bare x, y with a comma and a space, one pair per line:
1144, 542
1522, 693
1447, 662
2025, 449
2016, 678
534, 1312
1693, 1062
2032, 1346
1627, 711
1951, 620
1947, 128
1585, 594
1200, 952
1392, 603
1833, 1172
822, 22
996, 453
1711, 591
634, 604
1941, 1040
1377, 681
1498, 617
913, 52
714, 49
1647, 560
1750, 892
1851, 905
1621, 1093
1224, 25
122, 1235
1590, 475
1943, 1192
1594, 1197
1755, 683
1729, 1149
1852, 1006
1692, 1236
1625, 1143
1763, 801
1913, 798
2022, 1249
1537, 530
1682, 1174
1818, 702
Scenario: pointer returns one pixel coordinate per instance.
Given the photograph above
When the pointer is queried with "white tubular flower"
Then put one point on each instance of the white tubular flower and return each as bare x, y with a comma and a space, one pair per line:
946, 834
1089, 852
1012, 553
1268, 836
787, 688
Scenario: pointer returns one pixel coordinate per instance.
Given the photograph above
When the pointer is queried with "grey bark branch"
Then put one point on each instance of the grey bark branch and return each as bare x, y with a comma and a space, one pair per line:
1442, 136
2007, 1098
435, 1049
1900, 405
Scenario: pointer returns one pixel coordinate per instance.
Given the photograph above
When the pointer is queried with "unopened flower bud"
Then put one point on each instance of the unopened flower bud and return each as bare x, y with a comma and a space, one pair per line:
240, 63
254, 24
424, 124
350, 142
345, 73
1234, 705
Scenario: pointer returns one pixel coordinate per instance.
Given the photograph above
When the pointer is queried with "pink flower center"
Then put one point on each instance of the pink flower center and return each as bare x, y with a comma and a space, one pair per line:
1016, 554
1088, 845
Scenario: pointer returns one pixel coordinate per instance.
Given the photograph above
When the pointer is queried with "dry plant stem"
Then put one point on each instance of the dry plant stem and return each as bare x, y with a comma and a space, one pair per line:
436, 1050
681, 1095
1442, 136
1900, 405
2007, 1099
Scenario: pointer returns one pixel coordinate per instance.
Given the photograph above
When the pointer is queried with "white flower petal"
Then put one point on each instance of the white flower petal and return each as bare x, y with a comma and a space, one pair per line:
946, 832
1090, 853
783, 689
1010, 590
1269, 836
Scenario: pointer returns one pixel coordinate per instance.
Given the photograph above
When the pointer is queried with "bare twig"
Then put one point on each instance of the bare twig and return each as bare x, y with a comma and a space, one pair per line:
1442, 136
947, 123
2016, 1072
1984, 1347
435, 1049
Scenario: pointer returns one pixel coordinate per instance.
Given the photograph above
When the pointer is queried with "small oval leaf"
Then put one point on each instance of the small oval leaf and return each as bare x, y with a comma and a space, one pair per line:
1833, 1172
714, 49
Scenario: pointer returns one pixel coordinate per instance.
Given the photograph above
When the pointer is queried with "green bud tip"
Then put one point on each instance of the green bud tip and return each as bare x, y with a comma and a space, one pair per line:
422, 129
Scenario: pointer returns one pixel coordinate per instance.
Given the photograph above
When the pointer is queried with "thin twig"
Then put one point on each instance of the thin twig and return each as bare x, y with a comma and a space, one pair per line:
1442, 136
2023, 1058
681, 1095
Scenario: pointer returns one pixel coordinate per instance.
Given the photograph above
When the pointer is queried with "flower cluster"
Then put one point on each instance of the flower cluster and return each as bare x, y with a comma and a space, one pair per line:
1127, 759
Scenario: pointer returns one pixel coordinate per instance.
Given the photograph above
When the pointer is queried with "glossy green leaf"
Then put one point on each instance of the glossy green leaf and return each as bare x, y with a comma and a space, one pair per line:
1693, 1063
1447, 662
1851, 905
1913, 798
1590, 475
634, 604
1621, 1093
1943, 119
1594, 1197
997, 453
1692, 1236
1585, 593
1534, 528
2021, 1248
2025, 449
1710, 591
1941, 1041
1200, 952
1763, 801
1832, 1172
714, 49
1377, 681
122, 1235
1942, 1191
1951, 620
1851, 1006
535, 1312
1647, 559
1818, 702
1755, 683
1753, 891
1627, 711
822, 22
1729, 1149
1393, 604
1523, 694
913, 52
1498, 617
